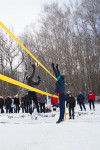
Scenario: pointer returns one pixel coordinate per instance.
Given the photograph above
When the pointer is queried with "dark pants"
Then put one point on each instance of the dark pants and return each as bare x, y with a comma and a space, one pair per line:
12, 110
32, 96
42, 107
91, 101
27, 109
17, 109
8, 109
62, 98
23, 109
71, 109
2, 111
82, 104
30, 109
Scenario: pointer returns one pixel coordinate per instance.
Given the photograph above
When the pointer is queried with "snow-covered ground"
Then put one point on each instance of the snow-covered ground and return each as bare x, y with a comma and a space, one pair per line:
20, 132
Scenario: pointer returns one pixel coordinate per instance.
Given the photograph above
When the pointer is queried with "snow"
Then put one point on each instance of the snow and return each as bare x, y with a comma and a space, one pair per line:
20, 132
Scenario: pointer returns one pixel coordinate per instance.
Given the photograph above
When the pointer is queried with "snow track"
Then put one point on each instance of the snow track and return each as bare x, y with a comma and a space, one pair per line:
20, 132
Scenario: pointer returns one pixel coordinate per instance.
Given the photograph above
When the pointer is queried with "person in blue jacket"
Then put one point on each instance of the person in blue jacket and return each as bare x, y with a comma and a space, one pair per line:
60, 90
80, 100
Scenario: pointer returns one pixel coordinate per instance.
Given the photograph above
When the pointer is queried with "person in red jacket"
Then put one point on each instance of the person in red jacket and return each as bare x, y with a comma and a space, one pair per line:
54, 101
91, 99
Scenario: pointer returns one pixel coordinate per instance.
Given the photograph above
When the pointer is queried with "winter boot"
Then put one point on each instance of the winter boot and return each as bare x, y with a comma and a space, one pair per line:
60, 120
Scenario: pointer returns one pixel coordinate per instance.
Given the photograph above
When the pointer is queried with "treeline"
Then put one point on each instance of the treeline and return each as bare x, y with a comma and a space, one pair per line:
67, 35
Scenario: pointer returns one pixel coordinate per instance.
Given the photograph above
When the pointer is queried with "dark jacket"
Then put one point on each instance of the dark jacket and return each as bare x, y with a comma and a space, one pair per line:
42, 99
16, 101
26, 98
8, 102
29, 79
60, 83
80, 98
71, 102
22, 102
1, 102
67, 96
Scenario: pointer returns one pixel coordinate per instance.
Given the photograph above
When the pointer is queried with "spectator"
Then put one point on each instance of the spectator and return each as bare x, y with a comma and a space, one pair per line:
91, 99
8, 102
67, 96
16, 102
54, 101
71, 102
80, 100
23, 104
12, 105
1, 104
26, 97
42, 101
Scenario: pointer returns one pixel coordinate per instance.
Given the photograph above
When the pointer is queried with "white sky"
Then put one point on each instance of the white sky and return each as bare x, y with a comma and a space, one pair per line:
19, 13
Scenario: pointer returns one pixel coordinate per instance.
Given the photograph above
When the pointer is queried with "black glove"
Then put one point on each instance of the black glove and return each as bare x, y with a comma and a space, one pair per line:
52, 65
33, 66
39, 77
57, 66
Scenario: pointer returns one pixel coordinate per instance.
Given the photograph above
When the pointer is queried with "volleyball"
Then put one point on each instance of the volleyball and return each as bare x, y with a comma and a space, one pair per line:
36, 64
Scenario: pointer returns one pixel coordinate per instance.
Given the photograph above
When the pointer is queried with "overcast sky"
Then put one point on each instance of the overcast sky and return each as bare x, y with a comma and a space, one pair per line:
19, 13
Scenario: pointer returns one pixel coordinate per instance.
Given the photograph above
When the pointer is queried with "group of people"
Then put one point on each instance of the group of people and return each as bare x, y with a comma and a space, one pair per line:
80, 100
90, 98
31, 100
15, 104
11, 104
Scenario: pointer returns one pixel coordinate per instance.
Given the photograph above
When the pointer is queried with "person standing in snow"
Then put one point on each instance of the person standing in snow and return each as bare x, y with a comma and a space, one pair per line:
8, 102
67, 96
12, 105
23, 104
60, 90
42, 101
80, 100
54, 101
16, 102
91, 99
1, 104
26, 97
32, 94
72, 103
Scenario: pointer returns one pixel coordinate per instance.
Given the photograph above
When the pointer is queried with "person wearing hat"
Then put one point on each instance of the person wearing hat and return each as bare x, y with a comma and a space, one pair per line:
80, 100
71, 101
91, 99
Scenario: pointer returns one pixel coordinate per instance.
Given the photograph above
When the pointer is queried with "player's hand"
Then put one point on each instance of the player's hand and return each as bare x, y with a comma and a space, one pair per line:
57, 66
39, 77
33, 66
52, 65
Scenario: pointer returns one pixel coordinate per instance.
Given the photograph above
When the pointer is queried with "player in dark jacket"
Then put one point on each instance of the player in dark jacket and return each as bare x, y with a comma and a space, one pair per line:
30, 82
72, 103
60, 90
32, 94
